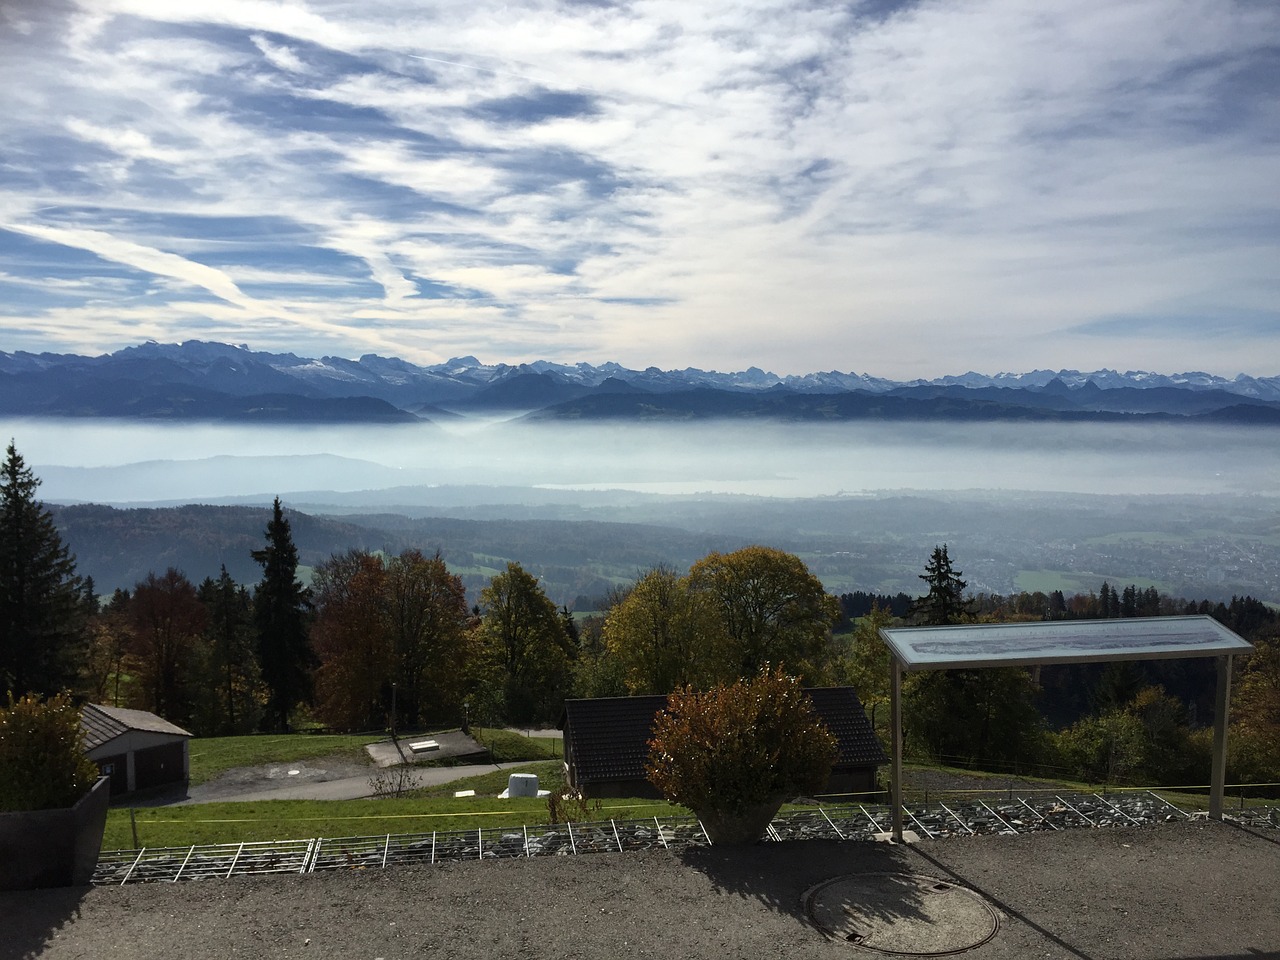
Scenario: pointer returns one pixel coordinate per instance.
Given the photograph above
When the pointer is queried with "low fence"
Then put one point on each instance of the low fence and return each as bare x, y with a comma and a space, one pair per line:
840, 821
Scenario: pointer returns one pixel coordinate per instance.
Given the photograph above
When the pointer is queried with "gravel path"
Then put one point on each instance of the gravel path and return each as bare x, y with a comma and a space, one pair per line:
1186, 890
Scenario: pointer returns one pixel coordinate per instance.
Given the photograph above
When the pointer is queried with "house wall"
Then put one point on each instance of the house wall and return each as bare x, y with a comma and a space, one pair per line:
860, 780
116, 767
620, 788
151, 759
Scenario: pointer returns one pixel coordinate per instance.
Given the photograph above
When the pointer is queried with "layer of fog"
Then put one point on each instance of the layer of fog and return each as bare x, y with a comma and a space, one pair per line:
125, 461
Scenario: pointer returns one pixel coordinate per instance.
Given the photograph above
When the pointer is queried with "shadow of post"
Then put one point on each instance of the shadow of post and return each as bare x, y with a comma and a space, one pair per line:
1002, 905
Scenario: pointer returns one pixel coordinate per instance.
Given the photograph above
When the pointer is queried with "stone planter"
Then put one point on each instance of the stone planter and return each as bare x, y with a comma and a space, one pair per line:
54, 848
727, 828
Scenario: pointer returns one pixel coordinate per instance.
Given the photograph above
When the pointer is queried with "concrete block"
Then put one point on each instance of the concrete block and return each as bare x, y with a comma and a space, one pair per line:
522, 785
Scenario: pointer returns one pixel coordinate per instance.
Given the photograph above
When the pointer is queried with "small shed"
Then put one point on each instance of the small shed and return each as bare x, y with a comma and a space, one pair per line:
606, 742
136, 749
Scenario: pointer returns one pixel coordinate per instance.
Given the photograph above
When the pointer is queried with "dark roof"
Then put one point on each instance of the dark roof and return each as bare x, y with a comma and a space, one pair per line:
608, 737
101, 724
842, 712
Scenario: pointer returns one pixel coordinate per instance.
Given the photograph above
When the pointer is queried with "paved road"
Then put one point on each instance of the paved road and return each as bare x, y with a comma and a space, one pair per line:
344, 779
311, 787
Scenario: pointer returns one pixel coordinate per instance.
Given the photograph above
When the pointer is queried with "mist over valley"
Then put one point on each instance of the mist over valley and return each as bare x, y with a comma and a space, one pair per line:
1191, 509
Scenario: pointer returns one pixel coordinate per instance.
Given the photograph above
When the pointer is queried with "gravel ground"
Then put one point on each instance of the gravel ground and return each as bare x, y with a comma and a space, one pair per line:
1186, 890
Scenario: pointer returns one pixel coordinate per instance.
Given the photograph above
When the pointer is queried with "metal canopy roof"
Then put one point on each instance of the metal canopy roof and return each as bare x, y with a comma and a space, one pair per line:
1061, 641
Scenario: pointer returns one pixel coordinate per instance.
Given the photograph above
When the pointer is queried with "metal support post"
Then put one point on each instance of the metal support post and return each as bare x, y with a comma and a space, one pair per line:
895, 721
1219, 779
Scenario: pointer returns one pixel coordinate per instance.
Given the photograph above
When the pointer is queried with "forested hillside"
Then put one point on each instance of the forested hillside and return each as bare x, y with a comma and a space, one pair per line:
118, 547
1203, 547
379, 631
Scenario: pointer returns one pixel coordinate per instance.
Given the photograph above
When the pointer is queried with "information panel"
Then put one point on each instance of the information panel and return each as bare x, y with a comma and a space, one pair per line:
1061, 641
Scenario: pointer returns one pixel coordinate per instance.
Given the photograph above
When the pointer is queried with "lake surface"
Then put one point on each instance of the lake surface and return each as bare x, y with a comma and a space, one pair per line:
123, 461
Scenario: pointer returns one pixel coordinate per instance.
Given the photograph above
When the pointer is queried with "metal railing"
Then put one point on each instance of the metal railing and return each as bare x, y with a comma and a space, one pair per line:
841, 821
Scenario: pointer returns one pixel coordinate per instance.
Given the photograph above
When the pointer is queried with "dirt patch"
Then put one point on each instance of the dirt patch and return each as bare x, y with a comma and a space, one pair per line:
940, 784
239, 781
1191, 889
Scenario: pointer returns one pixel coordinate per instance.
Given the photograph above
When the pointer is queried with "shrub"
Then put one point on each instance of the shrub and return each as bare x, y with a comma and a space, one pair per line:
42, 761
739, 745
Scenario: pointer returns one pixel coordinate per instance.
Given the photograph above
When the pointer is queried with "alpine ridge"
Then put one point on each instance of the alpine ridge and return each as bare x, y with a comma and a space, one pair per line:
199, 380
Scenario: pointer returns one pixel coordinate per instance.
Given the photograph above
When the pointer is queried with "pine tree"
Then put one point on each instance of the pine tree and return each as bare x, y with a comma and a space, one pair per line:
1129, 601
280, 605
945, 602
42, 612
233, 662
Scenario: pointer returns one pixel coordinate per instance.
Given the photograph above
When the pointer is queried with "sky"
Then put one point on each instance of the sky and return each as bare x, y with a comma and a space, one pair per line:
901, 189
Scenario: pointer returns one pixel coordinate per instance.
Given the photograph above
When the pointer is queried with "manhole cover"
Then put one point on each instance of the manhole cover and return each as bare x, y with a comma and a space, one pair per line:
901, 913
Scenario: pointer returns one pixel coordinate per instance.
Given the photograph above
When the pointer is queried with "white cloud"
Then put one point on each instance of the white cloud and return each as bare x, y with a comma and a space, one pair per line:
946, 185
280, 57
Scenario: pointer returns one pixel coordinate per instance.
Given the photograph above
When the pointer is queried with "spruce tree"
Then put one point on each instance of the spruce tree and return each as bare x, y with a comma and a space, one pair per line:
42, 613
280, 605
945, 602
232, 657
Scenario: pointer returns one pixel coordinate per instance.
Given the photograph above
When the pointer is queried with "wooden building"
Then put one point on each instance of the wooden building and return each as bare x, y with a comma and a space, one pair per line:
136, 749
606, 741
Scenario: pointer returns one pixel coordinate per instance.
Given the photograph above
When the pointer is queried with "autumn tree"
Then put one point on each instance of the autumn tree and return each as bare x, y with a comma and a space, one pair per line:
525, 650
768, 608
428, 620
109, 638
659, 634
168, 622
1255, 711
350, 641
1146, 740
381, 622
280, 605
865, 664
42, 616
598, 671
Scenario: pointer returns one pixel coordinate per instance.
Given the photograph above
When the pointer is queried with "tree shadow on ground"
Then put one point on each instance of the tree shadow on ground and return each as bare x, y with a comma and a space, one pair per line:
777, 875
32, 918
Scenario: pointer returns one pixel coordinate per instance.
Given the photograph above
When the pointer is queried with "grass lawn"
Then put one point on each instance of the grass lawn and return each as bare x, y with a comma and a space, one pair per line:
211, 756
417, 811
504, 746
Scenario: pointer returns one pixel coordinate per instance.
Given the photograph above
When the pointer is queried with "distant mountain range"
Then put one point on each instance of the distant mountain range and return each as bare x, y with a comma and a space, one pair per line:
198, 380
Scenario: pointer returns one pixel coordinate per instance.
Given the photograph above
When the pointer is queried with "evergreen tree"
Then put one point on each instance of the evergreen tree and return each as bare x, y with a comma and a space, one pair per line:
42, 609
945, 602
280, 605
232, 661
967, 716
1104, 600
1129, 601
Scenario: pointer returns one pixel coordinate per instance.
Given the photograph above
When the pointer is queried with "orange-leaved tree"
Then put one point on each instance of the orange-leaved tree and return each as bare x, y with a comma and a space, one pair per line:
740, 746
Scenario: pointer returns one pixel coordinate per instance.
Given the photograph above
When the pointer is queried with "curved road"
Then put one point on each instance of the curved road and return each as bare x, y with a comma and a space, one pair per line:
342, 779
